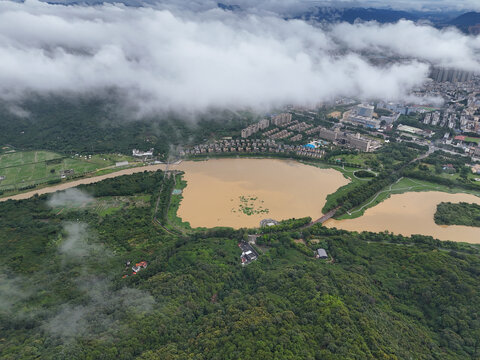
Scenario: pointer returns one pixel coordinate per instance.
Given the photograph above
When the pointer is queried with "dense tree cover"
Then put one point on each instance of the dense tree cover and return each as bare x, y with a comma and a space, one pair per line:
125, 185
360, 193
393, 157
378, 296
439, 158
164, 199
286, 225
364, 174
457, 214
104, 125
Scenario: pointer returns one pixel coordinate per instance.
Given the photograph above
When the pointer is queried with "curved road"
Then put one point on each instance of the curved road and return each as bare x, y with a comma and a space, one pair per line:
90, 180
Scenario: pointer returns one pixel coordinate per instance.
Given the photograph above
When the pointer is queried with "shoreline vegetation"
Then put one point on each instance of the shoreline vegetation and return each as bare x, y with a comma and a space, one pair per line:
457, 214
401, 185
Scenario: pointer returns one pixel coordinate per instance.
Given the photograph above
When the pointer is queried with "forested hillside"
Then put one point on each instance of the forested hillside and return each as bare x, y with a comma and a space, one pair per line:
64, 293
104, 125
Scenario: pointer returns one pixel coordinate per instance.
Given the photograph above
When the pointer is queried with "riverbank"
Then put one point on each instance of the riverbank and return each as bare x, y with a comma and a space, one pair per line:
412, 213
110, 172
401, 186
88, 180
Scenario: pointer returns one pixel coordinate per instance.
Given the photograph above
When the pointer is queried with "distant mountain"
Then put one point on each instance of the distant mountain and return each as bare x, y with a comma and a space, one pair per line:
228, 7
380, 15
468, 22
352, 14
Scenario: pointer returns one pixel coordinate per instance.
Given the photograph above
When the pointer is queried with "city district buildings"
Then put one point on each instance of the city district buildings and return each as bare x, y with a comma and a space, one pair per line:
277, 120
295, 131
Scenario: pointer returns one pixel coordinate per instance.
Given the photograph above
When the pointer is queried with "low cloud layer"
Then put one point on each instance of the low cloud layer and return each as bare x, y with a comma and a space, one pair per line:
98, 307
182, 61
102, 307
69, 197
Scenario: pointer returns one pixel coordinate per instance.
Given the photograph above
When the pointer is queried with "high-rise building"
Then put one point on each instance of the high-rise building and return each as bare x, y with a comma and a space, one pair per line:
450, 75
263, 124
281, 119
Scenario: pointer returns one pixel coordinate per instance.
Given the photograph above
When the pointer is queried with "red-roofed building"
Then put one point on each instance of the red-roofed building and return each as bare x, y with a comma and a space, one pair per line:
139, 266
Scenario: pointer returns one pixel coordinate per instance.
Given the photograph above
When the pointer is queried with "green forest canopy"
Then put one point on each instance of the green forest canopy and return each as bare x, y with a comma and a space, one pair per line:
63, 294
457, 214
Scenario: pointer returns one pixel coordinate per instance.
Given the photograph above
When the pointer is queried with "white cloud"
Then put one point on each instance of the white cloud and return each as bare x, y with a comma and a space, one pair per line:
178, 60
447, 47
69, 197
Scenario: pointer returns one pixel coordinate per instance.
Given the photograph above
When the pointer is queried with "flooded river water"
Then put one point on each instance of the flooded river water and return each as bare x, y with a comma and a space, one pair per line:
241, 192
412, 213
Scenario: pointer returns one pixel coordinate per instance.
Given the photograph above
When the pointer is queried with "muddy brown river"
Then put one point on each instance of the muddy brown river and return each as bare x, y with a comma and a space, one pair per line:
412, 213
241, 192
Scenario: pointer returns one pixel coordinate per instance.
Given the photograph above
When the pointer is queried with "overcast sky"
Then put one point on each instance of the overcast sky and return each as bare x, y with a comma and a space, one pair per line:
173, 59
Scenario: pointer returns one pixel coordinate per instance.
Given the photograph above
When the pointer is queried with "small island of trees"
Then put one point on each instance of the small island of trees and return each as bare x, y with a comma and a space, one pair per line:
457, 214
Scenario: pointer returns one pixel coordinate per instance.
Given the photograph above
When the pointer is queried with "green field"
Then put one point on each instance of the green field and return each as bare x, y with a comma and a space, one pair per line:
472, 139
29, 168
366, 160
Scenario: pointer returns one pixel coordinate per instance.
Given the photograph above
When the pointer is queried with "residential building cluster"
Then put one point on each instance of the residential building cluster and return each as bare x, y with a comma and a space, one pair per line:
281, 119
300, 126
253, 146
254, 128
282, 134
277, 120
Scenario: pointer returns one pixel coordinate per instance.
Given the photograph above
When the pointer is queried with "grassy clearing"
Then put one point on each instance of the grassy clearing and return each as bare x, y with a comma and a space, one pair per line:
30, 168
403, 185
107, 205
472, 139
362, 159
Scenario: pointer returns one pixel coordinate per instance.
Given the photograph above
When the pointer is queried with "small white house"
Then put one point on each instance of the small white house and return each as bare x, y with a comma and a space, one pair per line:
321, 254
